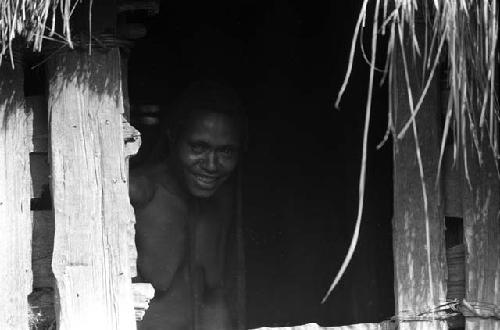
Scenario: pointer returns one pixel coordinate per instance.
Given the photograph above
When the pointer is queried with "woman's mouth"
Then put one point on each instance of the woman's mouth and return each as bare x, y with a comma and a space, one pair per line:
205, 181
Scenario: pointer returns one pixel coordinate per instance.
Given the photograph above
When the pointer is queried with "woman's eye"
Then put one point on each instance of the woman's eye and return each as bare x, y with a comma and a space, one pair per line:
227, 151
197, 148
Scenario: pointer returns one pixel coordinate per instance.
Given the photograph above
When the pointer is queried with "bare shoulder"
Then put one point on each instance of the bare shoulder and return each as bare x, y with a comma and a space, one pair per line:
149, 170
142, 183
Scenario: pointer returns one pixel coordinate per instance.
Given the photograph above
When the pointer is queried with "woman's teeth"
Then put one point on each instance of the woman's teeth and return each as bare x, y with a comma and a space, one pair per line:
205, 179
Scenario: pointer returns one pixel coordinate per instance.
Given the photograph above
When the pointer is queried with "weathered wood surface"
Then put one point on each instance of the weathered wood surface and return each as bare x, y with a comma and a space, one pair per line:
42, 304
132, 142
42, 299
481, 205
132, 139
455, 257
91, 206
419, 244
15, 220
126, 99
43, 222
143, 293
359, 326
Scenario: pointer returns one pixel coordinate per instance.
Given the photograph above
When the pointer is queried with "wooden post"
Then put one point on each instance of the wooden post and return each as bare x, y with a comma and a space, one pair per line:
89, 183
15, 221
418, 243
132, 140
91, 206
481, 205
42, 299
92, 211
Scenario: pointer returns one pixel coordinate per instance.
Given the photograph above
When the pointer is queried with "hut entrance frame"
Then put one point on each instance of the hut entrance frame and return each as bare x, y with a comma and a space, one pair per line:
78, 259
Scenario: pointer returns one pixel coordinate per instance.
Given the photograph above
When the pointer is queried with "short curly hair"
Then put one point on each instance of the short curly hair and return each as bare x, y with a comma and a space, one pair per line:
206, 96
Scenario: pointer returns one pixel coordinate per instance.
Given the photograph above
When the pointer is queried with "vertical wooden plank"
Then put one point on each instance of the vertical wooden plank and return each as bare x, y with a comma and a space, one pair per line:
481, 205
128, 152
89, 184
419, 247
15, 220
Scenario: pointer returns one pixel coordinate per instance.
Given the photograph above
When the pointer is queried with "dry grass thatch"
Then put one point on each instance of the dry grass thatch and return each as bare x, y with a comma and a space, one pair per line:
461, 33
34, 21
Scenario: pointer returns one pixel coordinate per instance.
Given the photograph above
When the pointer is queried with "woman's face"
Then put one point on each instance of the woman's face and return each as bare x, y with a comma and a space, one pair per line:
207, 152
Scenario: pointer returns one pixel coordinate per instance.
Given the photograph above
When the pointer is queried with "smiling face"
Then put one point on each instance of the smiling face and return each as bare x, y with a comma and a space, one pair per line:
206, 152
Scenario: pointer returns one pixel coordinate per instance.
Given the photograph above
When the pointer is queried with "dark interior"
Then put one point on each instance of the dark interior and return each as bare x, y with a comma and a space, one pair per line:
287, 60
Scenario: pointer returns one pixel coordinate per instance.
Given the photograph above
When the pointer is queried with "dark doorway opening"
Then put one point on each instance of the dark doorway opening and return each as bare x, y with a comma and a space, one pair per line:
287, 61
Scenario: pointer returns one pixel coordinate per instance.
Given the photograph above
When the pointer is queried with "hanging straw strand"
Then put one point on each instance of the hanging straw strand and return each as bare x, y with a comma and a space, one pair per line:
362, 175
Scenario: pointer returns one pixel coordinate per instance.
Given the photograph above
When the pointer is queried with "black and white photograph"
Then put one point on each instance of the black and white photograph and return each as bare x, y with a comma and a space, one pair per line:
249, 165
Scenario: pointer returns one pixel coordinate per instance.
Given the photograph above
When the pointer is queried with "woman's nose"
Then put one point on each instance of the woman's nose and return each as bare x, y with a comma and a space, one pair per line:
210, 162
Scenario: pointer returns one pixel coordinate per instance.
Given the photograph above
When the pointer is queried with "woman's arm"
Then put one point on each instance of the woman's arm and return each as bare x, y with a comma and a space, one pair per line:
141, 190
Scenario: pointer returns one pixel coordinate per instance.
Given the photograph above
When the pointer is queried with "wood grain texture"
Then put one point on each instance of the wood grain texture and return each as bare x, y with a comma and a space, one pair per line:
143, 293
42, 303
481, 205
43, 235
92, 210
15, 220
132, 141
419, 260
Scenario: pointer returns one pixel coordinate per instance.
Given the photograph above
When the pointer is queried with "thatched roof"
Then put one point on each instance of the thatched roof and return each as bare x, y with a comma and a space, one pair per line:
33, 21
